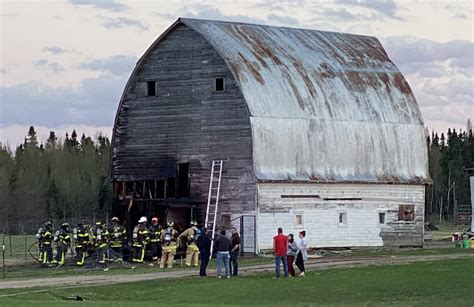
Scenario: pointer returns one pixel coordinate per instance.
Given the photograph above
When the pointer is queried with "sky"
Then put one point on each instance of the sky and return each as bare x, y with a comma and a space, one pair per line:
64, 64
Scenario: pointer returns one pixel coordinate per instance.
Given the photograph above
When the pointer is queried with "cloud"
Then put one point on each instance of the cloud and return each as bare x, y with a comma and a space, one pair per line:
117, 64
46, 64
54, 50
123, 22
415, 55
32, 103
211, 13
111, 5
340, 14
386, 8
282, 20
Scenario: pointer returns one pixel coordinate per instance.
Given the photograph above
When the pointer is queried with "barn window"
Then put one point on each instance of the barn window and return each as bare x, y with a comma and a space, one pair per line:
382, 218
220, 84
406, 213
342, 218
151, 88
298, 220
225, 220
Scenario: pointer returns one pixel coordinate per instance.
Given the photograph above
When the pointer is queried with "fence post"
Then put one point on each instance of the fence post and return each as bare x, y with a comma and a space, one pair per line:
25, 249
10, 239
3, 256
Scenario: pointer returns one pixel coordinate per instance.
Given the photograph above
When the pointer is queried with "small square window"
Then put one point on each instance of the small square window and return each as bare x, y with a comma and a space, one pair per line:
342, 219
151, 88
298, 220
406, 213
225, 220
219, 84
381, 218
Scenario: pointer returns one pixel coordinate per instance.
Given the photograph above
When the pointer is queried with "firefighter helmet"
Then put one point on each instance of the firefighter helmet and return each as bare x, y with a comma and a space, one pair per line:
48, 224
115, 219
64, 225
98, 224
142, 219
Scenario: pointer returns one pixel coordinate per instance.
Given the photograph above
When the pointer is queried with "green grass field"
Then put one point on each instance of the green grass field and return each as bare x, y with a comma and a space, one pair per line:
441, 283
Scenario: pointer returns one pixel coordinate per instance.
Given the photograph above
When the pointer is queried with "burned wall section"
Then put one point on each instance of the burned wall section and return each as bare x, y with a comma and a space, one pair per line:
186, 121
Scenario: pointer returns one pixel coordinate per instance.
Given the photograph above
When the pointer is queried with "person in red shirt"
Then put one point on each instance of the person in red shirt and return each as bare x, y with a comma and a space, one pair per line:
280, 245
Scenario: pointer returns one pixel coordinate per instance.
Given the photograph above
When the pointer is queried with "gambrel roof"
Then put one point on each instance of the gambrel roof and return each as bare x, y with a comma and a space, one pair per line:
323, 106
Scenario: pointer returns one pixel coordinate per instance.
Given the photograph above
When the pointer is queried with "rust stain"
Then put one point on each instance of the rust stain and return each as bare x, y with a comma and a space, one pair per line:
257, 44
235, 68
295, 90
255, 72
402, 84
260, 59
386, 80
325, 71
304, 75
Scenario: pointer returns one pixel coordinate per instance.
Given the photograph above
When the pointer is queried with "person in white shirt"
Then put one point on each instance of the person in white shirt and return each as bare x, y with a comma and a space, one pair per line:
302, 254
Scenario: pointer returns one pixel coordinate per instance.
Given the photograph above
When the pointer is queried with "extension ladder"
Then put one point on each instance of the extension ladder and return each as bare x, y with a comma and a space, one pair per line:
213, 198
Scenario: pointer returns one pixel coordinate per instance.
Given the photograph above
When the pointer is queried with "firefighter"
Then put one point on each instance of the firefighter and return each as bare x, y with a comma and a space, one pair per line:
192, 252
99, 239
168, 241
118, 236
155, 244
81, 239
140, 238
44, 238
62, 240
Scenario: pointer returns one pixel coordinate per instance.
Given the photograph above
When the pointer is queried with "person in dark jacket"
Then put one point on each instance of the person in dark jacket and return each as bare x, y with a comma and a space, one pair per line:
234, 252
204, 244
223, 247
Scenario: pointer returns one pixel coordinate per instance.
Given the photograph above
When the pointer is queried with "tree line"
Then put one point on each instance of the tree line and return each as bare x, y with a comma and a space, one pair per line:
450, 155
67, 179
64, 179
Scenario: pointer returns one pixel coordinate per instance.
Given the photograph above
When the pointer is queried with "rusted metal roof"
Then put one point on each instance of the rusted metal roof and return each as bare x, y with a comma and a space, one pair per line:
325, 106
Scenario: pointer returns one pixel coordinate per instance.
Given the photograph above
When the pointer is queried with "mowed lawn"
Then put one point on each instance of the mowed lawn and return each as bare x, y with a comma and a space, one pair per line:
440, 283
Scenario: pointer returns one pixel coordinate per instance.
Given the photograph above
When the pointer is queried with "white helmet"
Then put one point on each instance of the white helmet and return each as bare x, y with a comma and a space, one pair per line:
142, 219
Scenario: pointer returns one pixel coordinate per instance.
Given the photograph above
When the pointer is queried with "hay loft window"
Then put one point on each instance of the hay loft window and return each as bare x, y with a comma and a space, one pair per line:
151, 88
225, 220
220, 86
342, 219
298, 220
381, 218
406, 213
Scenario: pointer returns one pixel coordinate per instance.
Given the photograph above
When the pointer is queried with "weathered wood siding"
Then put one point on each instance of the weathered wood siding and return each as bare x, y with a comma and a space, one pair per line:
187, 121
321, 217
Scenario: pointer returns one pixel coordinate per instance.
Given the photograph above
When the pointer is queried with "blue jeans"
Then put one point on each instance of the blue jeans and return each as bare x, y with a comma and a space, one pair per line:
279, 259
234, 266
223, 260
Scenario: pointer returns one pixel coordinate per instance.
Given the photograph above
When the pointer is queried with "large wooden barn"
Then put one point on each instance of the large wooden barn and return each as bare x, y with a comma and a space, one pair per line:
317, 130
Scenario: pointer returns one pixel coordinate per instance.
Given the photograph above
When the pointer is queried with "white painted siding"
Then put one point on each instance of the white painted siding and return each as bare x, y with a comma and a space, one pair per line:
321, 217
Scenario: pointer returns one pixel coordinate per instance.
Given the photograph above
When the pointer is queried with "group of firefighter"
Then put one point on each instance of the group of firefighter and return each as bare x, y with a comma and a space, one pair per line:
106, 243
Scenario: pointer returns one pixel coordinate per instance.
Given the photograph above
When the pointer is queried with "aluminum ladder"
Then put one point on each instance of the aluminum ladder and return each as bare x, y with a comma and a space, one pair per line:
213, 198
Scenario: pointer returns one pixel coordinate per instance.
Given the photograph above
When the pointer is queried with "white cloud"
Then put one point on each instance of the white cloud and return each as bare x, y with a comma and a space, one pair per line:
111, 5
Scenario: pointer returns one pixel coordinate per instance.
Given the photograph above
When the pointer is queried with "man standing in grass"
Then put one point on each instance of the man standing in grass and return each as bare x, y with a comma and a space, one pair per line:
223, 247
280, 245
234, 252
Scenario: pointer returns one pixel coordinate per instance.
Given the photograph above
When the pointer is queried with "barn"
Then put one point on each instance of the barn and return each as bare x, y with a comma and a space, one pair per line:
315, 130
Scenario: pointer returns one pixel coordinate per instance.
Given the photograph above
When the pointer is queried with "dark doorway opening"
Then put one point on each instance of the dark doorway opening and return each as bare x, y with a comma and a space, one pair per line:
183, 180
